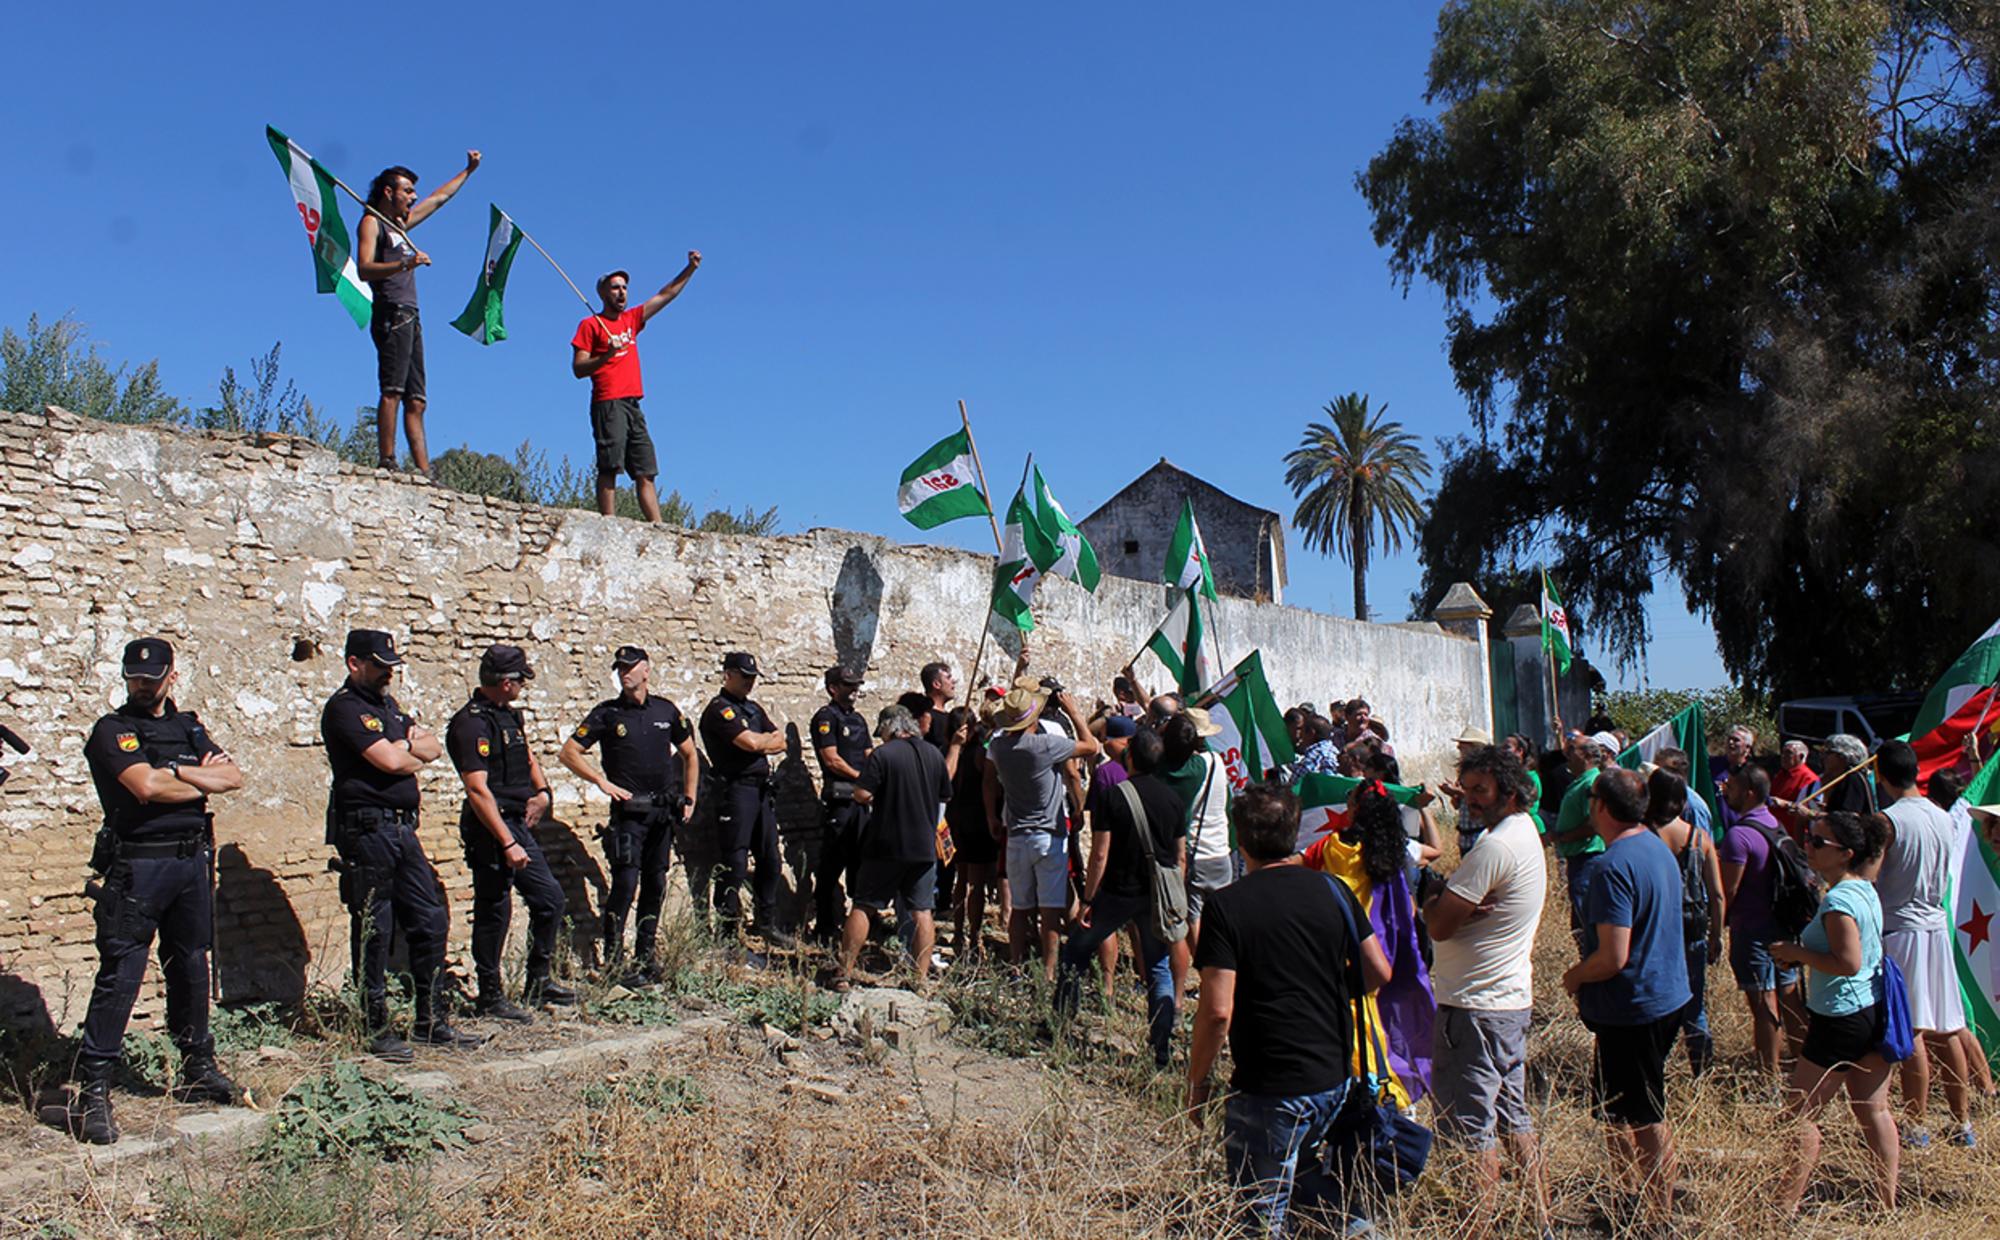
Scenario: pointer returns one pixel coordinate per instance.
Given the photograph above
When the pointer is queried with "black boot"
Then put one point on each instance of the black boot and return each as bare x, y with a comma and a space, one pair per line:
443, 1033
539, 990
496, 1006
202, 1081
90, 1112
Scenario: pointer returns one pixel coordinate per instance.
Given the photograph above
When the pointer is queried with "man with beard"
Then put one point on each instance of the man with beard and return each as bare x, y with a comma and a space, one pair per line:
607, 353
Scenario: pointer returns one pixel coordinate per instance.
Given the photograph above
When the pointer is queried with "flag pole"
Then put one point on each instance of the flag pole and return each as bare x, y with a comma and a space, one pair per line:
972, 674
558, 266
1549, 656
1827, 787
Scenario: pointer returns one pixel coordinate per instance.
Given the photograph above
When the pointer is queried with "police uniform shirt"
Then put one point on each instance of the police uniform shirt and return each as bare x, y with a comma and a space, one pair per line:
640, 740
843, 730
130, 736
354, 720
725, 719
479, 738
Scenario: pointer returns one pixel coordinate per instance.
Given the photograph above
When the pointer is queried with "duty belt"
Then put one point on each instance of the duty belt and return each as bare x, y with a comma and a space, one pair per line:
369, 817
183, 846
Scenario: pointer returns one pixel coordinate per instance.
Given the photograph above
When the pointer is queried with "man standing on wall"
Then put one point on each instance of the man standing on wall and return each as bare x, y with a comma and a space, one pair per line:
607, 353
385, 258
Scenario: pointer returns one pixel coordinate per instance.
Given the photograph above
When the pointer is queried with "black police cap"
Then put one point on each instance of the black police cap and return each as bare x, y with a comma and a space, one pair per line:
506, 662
841, 676
374, 644
149, 658
626, 656
740, 661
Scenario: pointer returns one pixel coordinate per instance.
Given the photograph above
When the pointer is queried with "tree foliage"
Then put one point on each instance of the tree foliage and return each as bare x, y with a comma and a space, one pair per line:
58, 364
1724, 288
1357, 479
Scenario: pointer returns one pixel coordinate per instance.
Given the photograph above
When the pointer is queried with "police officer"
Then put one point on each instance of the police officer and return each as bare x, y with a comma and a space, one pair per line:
505, 796
386, 881
155, 767
740, 738
650, 769
840, 740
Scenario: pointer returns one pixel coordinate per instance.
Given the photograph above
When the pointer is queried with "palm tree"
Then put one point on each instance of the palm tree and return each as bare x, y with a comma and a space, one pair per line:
1358, 481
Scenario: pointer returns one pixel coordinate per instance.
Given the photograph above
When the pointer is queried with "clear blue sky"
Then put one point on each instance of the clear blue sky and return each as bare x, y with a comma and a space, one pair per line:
1119, 231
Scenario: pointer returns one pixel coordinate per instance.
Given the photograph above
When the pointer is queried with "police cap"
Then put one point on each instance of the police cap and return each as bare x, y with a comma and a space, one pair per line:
626, 656
149, 658
740, 661
841, 676
505, 663
374, 644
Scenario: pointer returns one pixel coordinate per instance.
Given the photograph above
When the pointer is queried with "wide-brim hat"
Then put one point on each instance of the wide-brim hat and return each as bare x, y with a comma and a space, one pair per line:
1019, 710
1474, 736
1203, 725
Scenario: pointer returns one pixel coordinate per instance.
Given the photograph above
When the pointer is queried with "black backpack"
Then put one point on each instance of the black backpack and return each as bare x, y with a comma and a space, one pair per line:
1795, 889
1694, 891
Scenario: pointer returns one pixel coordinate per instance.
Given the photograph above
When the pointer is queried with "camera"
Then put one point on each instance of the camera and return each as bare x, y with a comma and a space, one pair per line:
1053, 685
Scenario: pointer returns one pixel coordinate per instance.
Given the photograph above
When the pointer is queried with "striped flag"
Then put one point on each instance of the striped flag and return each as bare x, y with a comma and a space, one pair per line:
1687, 732
1180, 647
481, 319
1976, 668
313, 191
1975, 899
1253, 738
1555, 626
1943, 747
1323, 804
941, 485
1187, 556
1025, 556
1077, 560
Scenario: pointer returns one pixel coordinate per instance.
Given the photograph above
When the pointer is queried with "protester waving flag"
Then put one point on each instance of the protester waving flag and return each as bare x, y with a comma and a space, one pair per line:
1253, 739
1323, 803
1026, 554
941, 485
1078, 561
1555, 626
1973, 902
1687, 732
1187, 556
1179, 644
333, 253
481, 319
1972, 671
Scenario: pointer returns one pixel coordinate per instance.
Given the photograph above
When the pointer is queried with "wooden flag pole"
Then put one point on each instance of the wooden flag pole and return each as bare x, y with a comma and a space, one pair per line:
558, 266
1555, 689
999, 549
1827, 787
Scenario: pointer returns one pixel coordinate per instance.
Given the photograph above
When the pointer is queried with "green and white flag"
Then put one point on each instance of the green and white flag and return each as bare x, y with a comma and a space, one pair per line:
1078, 561
1253, 738
1972, 671
1187, 556
313, 191
481, 319
1323, 804
1179, 645
1687, 732
942, 484
1973, 902
1555, 626
1026, 554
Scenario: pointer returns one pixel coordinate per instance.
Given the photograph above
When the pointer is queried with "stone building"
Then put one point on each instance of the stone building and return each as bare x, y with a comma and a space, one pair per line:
1246, 544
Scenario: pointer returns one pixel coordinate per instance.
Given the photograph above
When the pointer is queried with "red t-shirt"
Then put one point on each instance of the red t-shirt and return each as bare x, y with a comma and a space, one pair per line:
617, 379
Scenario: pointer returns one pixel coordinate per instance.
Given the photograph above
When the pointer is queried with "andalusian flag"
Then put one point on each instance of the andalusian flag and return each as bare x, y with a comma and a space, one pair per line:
1323, 804
1178, 644
313, 191
1253, 738
1555, 626
1187, 556
481, 319
942, 484
1973, 903
1026, 555
1077, 561
1687, 732
1977, 668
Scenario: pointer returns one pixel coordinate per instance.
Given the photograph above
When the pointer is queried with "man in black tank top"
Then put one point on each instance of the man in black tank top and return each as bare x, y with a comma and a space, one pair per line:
388, 261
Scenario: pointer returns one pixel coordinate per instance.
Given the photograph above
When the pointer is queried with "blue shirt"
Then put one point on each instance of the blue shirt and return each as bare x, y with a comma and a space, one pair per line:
1698, 815
1636, 883
1842, 996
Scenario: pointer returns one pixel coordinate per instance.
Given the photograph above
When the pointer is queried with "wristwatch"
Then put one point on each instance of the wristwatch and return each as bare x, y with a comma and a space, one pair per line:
175, 769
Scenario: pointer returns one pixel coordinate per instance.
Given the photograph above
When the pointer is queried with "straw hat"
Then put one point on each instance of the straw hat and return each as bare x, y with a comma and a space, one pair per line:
1203, 725
1475, 736
1019, 710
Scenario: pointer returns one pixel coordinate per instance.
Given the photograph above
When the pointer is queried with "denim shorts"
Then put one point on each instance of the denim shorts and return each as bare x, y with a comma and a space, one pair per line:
1750, 960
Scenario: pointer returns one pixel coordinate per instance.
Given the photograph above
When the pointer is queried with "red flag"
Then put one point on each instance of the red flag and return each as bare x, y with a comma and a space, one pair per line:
1943, 747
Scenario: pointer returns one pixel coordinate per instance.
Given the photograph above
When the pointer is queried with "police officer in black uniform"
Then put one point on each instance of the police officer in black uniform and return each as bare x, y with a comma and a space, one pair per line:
840, 741
740, 738
505, 796
386, 880
155, 767
650, 768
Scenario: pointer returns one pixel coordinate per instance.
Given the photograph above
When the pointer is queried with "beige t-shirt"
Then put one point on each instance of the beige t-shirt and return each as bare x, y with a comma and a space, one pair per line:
1489, 964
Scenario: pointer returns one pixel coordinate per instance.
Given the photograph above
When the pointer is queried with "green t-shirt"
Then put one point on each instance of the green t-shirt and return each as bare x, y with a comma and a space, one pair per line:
1535, 805
1576, 813
1186, 781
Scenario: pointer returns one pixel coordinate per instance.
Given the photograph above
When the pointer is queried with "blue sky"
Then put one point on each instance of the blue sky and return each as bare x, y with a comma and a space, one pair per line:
1118, 231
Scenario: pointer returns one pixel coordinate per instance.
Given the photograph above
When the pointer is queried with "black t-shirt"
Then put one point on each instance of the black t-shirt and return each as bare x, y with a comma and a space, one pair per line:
939, 733
1282, 932
129, 736
488, 737
1125, 869
354, 720
640, 742
725, 719
907, 780
843, 730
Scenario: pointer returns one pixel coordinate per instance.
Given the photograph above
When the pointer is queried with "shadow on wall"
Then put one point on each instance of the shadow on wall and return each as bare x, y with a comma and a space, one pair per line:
33, 1055
799, 831
582, 880
856, 609
260, 944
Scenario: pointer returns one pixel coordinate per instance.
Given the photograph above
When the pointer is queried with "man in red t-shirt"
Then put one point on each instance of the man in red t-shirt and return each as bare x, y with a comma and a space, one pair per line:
607, 353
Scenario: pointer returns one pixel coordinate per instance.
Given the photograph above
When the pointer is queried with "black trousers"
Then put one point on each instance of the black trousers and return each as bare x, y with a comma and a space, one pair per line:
746, 825
493, 887
637, 850
141, 897
840, 846
389, 885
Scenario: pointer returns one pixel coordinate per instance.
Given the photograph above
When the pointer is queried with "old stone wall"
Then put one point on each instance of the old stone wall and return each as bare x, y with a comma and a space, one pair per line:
254, 555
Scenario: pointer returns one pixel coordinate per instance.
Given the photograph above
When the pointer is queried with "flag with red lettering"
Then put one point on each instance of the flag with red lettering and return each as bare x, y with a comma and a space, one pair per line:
1025, 557
941, 485
1253, 739
313, 193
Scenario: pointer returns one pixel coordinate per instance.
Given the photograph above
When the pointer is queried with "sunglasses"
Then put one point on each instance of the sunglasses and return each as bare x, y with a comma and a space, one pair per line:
1820, 841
